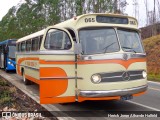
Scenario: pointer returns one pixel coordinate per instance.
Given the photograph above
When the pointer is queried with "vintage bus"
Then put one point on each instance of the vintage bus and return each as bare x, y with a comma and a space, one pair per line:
7, 54
89, 57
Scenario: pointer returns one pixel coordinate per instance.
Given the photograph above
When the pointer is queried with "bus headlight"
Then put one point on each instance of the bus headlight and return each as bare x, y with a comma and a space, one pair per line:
144, 74
96, 78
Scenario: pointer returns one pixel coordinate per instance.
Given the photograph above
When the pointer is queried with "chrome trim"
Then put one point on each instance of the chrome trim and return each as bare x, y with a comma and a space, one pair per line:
56, 52
113, 56
117, 76
135, 75
123, 71
42, 78
58, 60
111, 93
111, 77
28, 67
47, 52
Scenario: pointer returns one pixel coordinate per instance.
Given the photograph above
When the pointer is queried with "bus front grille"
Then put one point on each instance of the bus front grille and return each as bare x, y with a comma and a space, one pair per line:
121, 76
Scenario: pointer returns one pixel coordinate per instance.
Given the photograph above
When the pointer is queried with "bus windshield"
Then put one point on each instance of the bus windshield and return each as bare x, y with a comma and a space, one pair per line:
130, 41
104, 40
12, 50
99, 40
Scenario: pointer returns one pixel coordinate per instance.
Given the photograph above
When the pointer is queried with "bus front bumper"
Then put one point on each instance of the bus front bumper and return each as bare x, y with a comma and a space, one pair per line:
111, 93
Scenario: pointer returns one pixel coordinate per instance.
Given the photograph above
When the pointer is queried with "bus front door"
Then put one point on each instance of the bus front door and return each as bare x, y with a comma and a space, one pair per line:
57, 67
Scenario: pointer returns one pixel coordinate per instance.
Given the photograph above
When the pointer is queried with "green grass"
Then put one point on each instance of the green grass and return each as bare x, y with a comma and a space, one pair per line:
153, 77
5, 92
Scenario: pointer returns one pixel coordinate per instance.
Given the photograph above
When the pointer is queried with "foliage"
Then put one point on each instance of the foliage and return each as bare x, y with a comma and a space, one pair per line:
153, 57
34, 15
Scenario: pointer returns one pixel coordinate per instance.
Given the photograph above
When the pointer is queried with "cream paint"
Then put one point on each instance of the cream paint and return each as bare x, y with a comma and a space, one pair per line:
89, 70
84, 70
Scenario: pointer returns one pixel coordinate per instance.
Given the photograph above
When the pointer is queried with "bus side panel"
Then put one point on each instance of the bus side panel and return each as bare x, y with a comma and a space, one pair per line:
52, 89
32, 69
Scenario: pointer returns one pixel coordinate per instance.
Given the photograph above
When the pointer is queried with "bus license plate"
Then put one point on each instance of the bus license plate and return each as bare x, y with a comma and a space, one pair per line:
126, 97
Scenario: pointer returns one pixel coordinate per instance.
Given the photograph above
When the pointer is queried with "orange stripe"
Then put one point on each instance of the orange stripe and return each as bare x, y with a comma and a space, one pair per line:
81, 99
20, 60
139, 94
66, 99
125, 63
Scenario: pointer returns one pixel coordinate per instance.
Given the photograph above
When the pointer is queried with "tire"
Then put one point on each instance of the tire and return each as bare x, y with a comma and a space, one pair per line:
6, 70
26, 81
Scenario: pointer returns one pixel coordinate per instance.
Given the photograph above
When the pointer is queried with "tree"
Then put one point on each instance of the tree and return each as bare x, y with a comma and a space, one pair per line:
147, 12
34, 15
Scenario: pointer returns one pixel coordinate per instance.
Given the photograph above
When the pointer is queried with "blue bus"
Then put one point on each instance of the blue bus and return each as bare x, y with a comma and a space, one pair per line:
7, 54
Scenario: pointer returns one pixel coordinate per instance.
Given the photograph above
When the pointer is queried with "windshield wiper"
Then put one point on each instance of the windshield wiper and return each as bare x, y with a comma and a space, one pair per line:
105, 48
131, 49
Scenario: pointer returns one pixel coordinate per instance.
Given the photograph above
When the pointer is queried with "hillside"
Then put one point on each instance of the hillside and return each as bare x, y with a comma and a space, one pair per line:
152, 48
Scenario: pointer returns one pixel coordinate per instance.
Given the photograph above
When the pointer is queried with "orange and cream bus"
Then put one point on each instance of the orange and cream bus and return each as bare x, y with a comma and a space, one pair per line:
89, 57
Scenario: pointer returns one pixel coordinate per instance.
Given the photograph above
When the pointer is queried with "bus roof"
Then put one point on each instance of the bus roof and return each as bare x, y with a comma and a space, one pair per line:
6, 41
73, 23
36, 34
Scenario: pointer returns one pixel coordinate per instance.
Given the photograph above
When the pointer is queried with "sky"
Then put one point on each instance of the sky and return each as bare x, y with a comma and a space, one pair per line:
142, 12
5, 5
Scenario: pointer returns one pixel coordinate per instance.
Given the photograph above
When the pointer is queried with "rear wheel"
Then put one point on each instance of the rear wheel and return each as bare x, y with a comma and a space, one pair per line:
26, 81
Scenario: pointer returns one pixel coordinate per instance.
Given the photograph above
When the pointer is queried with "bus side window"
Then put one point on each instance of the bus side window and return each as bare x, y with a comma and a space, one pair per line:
23, 46
28, 45
35, 45
57, 40
19, 47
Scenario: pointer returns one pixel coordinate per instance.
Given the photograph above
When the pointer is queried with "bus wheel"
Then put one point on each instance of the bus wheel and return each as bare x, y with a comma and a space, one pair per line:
26, 81
6, 70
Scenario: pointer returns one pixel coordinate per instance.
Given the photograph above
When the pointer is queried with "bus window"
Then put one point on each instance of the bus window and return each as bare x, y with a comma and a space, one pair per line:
28, 45
35, 45
98, 40
19, 47
12, 50
57, 40
130, 41
23, 46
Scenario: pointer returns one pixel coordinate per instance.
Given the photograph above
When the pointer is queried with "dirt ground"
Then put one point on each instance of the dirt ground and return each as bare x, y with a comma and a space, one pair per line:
13, 99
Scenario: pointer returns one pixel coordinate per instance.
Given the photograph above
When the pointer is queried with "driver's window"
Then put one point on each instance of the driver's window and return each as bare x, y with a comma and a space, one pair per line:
57, 40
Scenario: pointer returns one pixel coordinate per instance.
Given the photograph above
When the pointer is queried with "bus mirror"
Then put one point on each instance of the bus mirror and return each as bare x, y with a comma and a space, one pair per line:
77, 48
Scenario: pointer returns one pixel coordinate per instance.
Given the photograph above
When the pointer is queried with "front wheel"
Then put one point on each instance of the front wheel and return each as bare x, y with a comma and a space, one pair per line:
26, 81
6, 70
